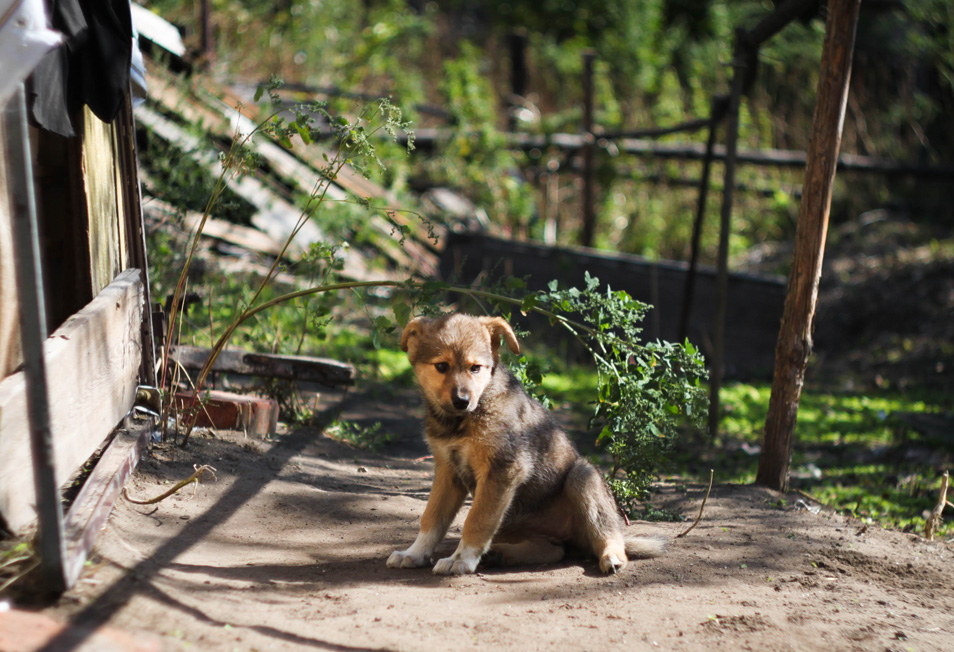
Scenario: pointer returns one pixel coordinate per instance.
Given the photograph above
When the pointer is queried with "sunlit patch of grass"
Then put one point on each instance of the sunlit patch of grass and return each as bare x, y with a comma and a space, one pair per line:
878, 494
575, 386
844, 455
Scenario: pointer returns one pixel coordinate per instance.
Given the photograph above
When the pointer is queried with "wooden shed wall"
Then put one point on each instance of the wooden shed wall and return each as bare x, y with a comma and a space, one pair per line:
10, 354
92, 369
87, 198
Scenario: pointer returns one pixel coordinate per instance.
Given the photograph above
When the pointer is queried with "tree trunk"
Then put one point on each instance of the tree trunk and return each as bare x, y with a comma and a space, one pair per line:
795, 336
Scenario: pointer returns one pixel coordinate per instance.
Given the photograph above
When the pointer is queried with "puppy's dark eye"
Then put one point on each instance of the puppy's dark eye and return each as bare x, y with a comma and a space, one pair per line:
475, 369
441, 367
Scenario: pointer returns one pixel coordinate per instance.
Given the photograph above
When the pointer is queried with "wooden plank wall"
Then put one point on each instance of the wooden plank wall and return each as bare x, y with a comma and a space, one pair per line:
104, 201
92, 369
10, 349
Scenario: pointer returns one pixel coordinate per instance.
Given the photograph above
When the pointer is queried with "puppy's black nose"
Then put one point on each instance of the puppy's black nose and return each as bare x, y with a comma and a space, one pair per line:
461, 401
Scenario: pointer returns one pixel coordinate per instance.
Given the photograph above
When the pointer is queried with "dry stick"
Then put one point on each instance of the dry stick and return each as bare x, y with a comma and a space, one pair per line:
701, 507
195, 477
934, 520
205, 409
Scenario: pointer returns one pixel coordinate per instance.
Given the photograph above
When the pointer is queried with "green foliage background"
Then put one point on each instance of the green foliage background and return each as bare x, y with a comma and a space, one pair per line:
659, 62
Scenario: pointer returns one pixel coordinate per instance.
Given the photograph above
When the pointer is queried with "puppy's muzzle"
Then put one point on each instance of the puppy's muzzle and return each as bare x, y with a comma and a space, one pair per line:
460, 399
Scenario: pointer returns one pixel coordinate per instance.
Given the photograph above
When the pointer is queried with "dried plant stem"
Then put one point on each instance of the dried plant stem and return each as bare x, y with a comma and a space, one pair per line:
934, 520
195, 477
701, 507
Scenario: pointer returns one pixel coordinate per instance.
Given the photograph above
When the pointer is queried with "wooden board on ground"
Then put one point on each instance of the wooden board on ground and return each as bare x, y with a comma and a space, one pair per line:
326, 372
95, 500
92, 364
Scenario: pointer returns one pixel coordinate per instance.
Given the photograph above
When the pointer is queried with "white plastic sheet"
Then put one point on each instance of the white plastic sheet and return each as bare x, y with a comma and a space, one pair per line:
158, 30
24, 39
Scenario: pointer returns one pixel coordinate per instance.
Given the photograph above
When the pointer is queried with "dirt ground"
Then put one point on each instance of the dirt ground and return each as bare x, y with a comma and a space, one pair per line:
286, 550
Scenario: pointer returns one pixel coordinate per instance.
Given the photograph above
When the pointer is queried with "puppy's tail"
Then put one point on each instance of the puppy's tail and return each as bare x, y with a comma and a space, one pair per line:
645, 547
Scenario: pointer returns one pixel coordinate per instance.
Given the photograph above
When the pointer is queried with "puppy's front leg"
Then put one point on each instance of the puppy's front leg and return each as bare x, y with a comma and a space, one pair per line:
447, 495
491, 501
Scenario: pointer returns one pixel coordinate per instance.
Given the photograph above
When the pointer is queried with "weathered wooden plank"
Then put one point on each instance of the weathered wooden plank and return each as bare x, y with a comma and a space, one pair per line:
288, 367
92, 364
104, 201
236, 234
10, 354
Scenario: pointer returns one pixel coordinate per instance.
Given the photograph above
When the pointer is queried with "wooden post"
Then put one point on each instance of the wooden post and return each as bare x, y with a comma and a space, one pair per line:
208, 49
589, 144
739, 62
33, 332
552, 202
795, 335
714, 118
518, 72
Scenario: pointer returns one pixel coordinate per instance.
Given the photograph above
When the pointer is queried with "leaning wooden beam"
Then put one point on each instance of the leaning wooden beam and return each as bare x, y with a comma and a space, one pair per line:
326, 372
715, 115
276, 216
795, 335
776, 21
299, 168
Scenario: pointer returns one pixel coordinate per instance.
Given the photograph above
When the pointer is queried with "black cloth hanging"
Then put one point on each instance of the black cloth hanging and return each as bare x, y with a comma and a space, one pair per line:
91, 67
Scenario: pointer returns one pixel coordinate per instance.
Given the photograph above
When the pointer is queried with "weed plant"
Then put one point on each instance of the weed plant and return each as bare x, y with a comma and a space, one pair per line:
644, 393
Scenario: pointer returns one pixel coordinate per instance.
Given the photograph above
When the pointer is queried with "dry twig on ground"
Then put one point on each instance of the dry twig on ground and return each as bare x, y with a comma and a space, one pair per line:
701, 507
195, 477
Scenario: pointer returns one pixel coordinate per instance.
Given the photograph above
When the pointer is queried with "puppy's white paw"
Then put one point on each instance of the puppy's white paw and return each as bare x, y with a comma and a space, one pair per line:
457, 564
407, 559
610, 563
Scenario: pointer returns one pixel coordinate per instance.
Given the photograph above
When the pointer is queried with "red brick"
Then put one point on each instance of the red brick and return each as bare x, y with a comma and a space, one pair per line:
225, 410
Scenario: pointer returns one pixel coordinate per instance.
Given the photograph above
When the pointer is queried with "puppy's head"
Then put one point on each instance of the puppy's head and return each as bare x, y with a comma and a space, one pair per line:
454, 357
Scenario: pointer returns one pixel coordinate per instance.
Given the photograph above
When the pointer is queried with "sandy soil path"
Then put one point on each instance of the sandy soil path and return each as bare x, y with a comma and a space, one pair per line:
286, 550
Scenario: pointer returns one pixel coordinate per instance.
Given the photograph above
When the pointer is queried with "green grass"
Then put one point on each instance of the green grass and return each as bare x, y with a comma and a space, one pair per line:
850, 453
370, 438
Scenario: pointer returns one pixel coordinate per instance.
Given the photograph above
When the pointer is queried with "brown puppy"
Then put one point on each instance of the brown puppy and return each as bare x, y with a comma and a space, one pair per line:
532, 492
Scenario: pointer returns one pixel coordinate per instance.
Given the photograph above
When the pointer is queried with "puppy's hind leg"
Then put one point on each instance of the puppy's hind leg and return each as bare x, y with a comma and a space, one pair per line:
597, 523
536, 550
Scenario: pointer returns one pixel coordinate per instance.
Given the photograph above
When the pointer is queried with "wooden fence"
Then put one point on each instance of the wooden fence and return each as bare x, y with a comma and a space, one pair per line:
754, 302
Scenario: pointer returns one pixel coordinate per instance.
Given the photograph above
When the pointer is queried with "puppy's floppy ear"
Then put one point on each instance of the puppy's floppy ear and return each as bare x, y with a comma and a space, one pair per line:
498, 326
412, 330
